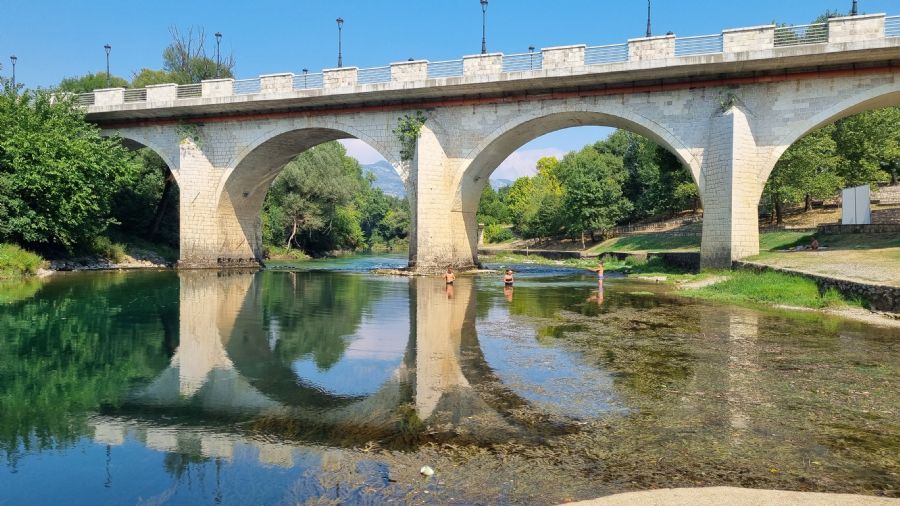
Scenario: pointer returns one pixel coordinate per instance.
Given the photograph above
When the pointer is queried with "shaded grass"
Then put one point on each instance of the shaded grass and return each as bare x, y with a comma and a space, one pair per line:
770, 288
16, 262
646, 242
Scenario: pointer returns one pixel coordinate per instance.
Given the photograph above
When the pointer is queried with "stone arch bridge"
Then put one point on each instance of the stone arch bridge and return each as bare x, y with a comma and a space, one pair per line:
727, 105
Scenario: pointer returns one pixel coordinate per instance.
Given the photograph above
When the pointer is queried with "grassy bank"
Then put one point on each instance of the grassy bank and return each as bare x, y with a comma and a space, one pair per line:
772, 288
736, 287
16, 262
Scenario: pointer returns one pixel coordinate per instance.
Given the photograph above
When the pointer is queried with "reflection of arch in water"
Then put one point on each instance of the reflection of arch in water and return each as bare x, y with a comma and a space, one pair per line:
224, 368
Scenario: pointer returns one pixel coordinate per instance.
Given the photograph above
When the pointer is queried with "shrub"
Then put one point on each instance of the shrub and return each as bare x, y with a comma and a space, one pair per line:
109, 250
15, 261
495, 233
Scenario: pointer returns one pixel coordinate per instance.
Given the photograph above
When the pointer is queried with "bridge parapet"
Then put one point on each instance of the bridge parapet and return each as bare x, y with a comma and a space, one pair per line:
732, 45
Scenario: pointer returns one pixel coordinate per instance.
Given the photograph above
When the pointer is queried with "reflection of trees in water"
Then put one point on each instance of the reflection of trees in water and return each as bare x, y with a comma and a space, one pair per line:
77, 345
311, 314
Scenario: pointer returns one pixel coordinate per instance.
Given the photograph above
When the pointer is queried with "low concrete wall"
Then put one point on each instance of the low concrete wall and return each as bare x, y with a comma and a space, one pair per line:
551, 254
882, 228
880, 297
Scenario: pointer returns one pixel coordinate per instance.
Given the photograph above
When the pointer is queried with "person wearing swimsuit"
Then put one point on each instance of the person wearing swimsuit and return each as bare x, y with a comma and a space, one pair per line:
508, 278
449, 277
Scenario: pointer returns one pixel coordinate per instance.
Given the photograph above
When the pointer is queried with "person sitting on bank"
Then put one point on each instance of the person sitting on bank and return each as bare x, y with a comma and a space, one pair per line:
814, 245
508, 278
449, 277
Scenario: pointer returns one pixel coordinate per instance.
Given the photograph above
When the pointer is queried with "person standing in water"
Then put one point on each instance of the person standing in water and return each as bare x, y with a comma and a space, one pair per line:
508, 278
599, 271
449, 278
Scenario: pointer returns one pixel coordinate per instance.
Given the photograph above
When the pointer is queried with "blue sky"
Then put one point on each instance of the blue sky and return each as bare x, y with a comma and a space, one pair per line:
57, 39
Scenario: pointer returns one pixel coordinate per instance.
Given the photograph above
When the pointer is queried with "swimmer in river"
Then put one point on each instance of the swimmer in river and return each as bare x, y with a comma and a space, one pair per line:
449, 277
508, 278
599, 271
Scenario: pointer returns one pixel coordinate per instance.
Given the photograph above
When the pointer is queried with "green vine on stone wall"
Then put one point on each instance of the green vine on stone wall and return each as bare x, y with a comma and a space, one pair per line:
409, 127
188, 131
727, 102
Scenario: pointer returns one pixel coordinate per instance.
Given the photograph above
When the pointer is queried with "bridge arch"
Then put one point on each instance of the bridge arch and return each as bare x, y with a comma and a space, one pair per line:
242, 189
137, 138
485, 158
887, 95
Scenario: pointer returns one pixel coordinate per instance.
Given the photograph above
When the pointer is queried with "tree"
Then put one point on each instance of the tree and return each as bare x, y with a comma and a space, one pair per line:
592, 197
807, 168
57, 173
869, 146
90, 82
186, 60
147, 77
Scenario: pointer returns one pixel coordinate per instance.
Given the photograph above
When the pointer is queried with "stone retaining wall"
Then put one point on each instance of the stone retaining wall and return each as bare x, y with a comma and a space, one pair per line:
880, 297
878, 228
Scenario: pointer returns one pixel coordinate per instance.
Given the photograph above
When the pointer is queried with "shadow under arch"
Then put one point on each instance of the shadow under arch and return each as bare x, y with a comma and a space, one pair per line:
243, 188
136, 139
887, 95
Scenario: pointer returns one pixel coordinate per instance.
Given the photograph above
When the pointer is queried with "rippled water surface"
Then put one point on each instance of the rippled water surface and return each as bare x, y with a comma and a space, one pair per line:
322, 383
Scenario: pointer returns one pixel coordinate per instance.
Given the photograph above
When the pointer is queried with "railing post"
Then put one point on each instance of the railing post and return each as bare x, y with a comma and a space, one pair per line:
563, 57
490, 64
276, 83
409, 71
651, 48
856, 28
339, 78
162, 93
109, 96
752, 38
217, 88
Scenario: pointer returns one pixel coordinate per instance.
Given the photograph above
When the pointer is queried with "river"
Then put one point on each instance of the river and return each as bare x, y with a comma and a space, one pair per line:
320, 382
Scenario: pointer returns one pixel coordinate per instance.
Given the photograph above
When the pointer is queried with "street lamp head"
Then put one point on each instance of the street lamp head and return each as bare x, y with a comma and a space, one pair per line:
108, 48
530, 49
484, 4
13, 59
218, 36
340, 22
306, 71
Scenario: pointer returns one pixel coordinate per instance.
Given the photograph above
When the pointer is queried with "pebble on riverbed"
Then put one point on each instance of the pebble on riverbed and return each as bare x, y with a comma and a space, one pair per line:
426, 471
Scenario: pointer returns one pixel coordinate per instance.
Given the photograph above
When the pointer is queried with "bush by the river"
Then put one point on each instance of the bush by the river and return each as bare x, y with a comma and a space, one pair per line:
17, 262
495, 233
770, 288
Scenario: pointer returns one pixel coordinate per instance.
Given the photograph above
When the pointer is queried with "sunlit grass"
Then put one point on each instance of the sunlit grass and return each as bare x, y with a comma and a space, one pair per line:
770, 288
17, 262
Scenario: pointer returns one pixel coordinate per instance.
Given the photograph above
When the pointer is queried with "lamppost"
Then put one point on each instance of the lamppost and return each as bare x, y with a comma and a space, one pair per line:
305, 74
13, 59
218, 61
531, 57
340, 23
484, 4
649, 33
108, 48
853, 10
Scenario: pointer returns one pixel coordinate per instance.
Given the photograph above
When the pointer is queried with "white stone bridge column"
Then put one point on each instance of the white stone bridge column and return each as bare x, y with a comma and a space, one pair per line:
198, 183
730, 190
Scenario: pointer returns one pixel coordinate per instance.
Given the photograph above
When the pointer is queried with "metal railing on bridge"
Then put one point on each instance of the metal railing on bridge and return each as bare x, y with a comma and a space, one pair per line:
448, 68
522, 62
612, 53
309, 81
246, 86
373, 75
84, 99
137, 95
801, 34
189, 91
892, 26
702, 44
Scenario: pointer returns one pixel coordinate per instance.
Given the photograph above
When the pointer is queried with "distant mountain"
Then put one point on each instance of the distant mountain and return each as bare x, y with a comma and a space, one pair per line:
386, 178
500, 183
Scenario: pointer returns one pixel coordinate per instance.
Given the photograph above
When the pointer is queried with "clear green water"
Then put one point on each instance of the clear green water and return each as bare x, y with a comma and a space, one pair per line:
321, 383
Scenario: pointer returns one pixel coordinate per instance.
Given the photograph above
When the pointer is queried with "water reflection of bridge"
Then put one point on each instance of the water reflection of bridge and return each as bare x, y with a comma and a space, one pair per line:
226, 374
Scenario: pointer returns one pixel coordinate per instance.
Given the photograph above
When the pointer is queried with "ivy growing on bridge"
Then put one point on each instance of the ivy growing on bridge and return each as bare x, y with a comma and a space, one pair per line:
409, 127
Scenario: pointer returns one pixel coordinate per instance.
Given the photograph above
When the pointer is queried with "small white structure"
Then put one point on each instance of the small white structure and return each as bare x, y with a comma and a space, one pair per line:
856, 206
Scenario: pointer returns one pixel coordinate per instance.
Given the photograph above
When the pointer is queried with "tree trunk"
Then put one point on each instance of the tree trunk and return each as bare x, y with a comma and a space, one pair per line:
779, 212
582, 240
162, 206
293, 233
808, 203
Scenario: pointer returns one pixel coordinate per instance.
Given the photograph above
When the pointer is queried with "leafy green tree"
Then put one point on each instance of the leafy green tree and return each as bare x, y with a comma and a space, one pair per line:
308, 204
187, 61
806, 169
90, 82
869, 146
592, 198
491, 208
147, 77
57, 173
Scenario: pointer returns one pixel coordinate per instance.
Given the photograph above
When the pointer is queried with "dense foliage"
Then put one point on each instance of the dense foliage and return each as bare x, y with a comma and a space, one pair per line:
58, 175
322, 202
621, 179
